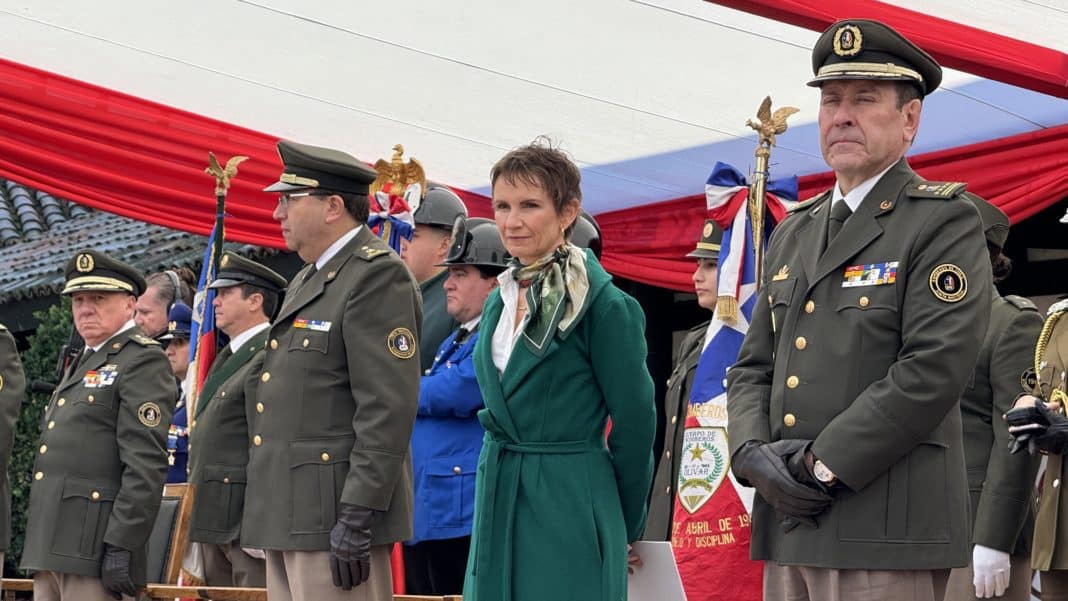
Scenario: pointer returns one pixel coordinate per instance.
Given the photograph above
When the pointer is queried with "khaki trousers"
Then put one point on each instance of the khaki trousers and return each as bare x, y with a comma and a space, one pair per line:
961, 587
57, 586
305, 576
1054, 585
228, 565
793, 583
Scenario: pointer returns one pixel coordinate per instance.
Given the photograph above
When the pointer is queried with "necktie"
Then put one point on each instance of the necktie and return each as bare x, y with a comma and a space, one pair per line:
461, 336
88, 352
839, 213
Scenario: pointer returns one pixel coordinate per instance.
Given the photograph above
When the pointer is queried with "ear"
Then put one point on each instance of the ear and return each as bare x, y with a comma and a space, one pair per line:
443, 247
569, 213
334, 209
910, 114
255, 302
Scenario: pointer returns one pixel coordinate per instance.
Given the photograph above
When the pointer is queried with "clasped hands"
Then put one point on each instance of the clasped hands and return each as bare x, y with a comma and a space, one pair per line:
1037, 426
782, 474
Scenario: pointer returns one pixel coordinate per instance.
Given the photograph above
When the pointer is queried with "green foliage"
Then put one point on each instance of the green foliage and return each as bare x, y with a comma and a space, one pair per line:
39, 363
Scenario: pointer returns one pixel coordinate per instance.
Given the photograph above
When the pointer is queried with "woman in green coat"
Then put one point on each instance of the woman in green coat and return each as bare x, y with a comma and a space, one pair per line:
562, 351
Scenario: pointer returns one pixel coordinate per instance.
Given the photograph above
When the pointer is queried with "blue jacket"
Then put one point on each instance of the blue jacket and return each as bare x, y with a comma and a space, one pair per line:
446, 443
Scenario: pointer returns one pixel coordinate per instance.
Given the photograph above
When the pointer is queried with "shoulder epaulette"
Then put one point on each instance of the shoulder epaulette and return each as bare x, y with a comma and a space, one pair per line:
144, 340
935, 189
1057, 307
370, 254
1021, 303
809, 202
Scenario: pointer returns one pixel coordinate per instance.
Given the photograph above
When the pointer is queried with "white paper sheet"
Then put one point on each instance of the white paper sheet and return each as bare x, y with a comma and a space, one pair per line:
658, 578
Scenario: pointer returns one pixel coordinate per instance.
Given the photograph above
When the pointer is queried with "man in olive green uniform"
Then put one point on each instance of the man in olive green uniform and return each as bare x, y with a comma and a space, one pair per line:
12, 392
423, 255
658, 523
329, 474
102, 457
1043, 428
1001, 485
247, 294
875, 299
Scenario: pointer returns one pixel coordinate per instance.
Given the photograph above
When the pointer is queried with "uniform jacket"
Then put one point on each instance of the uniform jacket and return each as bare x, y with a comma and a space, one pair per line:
178, 443
1049, 551
437, 323
676, 403
12, 392
1001, 485
102, 459
446, 441
555, 507
220, 456
339, 387
872, 373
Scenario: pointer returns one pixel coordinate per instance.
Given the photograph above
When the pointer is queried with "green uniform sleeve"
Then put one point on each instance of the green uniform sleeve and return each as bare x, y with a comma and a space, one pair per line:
146, 404
1009, 482
12, 393
384, 386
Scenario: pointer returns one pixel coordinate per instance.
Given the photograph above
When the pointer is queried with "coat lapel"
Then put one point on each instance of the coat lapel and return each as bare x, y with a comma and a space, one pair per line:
862, 227
489, 381
810, 238
313, 288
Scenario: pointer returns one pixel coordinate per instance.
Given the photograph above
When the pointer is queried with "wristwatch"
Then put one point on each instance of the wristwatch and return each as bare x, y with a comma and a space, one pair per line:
823, 473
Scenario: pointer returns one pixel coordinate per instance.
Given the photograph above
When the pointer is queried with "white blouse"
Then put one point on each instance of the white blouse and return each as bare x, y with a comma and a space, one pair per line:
504, 337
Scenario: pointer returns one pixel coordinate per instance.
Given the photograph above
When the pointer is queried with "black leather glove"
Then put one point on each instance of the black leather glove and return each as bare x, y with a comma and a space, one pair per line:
1038, 429
799, 468
115, 572
350, 546
764, 466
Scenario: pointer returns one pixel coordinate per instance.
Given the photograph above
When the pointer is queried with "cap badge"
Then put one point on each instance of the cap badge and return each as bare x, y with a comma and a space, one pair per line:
708, 230
172, 326
847, 40
85, 263
225, 261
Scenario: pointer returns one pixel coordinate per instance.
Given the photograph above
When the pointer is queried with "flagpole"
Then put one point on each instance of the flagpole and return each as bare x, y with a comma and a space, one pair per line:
222, 176
767, 126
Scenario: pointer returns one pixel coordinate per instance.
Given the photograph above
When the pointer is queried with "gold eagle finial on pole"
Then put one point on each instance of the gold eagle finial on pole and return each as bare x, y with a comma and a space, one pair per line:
223, 175
768, 125
398, 172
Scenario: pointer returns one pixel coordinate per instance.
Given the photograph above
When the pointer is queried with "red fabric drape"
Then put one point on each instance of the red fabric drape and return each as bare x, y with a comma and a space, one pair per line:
952, 44
136, 158
146, 161
1021, 174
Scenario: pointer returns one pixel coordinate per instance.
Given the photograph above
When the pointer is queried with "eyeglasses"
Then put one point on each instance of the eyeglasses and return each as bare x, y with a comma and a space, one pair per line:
286, 197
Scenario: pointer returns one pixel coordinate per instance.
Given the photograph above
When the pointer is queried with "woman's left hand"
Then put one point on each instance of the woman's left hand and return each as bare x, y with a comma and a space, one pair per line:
633, 560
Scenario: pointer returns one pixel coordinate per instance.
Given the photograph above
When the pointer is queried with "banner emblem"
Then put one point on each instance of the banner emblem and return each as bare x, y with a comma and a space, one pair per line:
703, 466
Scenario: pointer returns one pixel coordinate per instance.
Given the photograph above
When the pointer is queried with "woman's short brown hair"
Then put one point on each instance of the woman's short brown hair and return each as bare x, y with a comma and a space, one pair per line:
540, 164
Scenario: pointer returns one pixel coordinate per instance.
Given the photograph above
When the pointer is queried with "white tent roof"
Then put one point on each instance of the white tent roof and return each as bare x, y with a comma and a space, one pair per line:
646, 95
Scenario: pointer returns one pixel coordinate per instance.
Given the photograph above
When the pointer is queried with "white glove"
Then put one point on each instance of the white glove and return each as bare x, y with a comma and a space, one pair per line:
991, 569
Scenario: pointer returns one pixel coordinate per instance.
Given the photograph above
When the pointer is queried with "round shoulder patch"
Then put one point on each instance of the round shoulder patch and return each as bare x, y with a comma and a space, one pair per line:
401, 343
1028, 379
948, 282
149, 414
